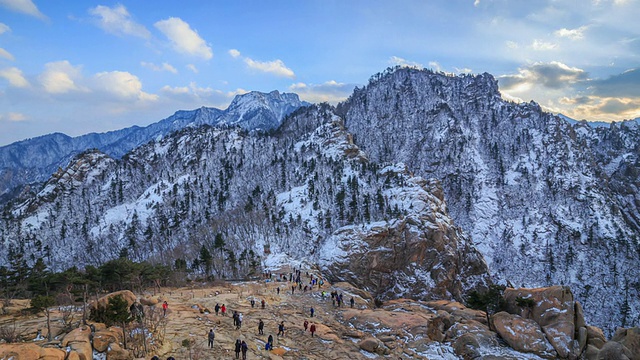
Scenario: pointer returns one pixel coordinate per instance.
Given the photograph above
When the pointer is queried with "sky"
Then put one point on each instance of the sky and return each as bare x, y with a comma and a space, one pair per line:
93, 66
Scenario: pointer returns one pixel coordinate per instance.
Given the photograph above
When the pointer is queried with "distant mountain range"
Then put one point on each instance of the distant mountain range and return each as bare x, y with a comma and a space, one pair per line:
35, 160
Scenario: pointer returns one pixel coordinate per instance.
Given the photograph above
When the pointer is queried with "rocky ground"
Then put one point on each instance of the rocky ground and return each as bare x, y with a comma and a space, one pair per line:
399, 329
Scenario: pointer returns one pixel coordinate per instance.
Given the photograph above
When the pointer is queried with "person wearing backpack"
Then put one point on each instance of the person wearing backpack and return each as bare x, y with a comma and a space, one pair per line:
238, 348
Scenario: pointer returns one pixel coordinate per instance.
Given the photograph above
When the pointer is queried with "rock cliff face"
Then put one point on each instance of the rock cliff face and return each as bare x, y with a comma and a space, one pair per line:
420, 255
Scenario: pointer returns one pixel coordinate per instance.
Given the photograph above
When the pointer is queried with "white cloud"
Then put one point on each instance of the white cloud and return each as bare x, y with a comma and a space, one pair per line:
14, 76
121, 85
13, 117
476, 3
434, 65
552, 75
164, 67
117, 20
573, 34
540, 45
276, 67
394, 60
4, 28
5, 54
183, 38
330, 91
60, 77
193, 68
23, 6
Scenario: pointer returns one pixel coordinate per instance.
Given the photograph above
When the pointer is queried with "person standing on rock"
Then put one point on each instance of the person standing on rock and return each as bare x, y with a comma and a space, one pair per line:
352, 301
223, 310
261, 327
312, 329
253, 303
238, 348
244, 348
278, 290
263, 303
306, 325
165, 306
235, 319
211, 337
281, 328
311, 311
217, 308
239, 321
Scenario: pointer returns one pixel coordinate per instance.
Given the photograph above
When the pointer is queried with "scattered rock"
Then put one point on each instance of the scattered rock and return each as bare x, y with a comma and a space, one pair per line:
104, 301
595, 337
613, 350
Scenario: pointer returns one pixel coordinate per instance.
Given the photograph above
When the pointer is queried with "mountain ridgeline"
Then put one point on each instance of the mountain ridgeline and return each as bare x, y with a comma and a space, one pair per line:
34, 160
404, 189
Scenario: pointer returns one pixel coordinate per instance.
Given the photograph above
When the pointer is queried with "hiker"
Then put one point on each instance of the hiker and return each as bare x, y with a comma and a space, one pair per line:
306, 325
211, 337
165, 306
238, 348
269, 345
239, 321
235, 319
263, 303
312, 311
281, 329
223, 310
278, 290
217, 308
260, 327
312, 329
253, 303
293, 289
352, 301
244, 348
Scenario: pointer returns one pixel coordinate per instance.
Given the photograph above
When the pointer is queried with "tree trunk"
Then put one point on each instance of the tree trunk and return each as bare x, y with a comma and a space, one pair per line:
49, 337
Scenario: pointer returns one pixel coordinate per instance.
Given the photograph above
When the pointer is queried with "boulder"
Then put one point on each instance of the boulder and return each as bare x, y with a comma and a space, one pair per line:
590, 353
369, 344
115, 352
595, 337
28, 351
467, 347
630, 339
104, 301
79, 341
103, 338
150, 301
554, 310
522, 334
613, 350
481, 333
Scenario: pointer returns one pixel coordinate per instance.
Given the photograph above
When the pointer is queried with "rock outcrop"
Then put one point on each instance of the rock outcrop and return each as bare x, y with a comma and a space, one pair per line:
421, 255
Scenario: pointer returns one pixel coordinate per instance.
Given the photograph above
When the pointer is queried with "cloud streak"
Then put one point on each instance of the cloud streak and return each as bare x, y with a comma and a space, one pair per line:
183, 39
23, 6
275, 67
117, 21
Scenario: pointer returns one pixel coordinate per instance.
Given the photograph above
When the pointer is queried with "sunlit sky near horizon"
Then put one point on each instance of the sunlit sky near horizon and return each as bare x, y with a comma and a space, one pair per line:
83, 66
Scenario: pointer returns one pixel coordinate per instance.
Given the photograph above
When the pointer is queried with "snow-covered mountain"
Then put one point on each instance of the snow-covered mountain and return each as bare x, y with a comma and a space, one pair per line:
544, 201
34, 160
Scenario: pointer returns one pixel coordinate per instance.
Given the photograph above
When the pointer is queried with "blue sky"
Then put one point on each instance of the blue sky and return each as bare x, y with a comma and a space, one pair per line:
83, 66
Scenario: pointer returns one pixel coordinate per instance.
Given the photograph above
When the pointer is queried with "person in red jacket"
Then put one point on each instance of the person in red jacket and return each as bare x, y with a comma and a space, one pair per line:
223, 310
312, 328
165, 306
